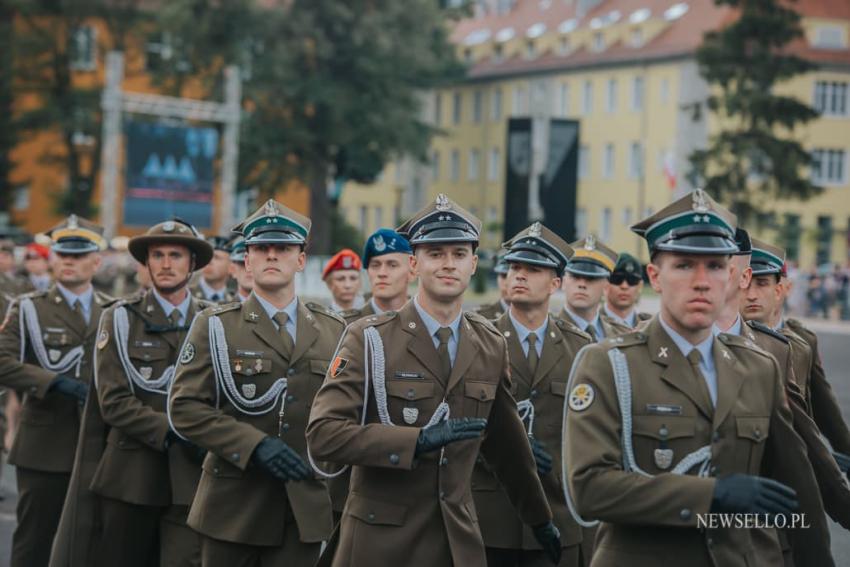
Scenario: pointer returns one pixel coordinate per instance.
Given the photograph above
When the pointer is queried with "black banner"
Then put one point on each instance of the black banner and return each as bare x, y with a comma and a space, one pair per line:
517, 175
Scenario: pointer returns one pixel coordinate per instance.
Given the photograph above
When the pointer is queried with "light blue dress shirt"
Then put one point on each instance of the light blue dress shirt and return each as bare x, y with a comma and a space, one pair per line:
291, 310
735, 329
168, 307
84, 298
209, 292
433, 326
583, 324
705, 348
522, 333
630, 321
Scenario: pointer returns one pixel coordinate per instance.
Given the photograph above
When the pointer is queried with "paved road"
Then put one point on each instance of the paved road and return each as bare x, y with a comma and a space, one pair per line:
836, 357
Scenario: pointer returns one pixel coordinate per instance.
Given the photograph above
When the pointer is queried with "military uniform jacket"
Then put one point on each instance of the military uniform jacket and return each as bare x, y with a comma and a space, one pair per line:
640, 317
545, 389
50, 421
198, 293
136, 466
236, 501
610, 327
647, 520
801, 361
491, 311
403, 510
352, 315
824, 404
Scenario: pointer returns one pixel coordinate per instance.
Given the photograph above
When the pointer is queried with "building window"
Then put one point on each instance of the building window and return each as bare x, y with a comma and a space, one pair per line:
455, 172
473, 165
636, 160
587, 98
496, 109
627, 216
84, 49
608, 162
519, 101
581, 222
598, 41
831, 98
530, 49
438, 108
379, 217
605, 230
791, 237
494, 164
829, 166
583, 162
830, 37
498, 53
824, 240
364, 219
664, 95
637, 93
457, 107
564, 45
477, 106
636, 37
435, 165
563, 108
611, 96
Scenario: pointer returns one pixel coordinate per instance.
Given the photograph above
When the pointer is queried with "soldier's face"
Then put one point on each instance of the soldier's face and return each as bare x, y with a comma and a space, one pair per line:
218, 268
74, 269
169, 265
444, 270
35, 265
390, 275
273, 266
624, 295
243, 277
762, 299
530, 285
502, 281
582, 292
344, 285
692, 288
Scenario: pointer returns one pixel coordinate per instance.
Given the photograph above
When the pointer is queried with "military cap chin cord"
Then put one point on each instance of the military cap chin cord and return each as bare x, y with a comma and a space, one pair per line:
623, 384
121, 328
30, 325
221, 368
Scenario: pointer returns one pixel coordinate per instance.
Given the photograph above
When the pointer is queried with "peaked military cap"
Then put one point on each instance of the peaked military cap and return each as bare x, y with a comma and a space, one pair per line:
539, 246
694, 224
384, 241
237, 250
766, 259
501, 266
274, 223
219, 243
627, 265
441, 221
591, 258
742, 240
175, 231
76, 235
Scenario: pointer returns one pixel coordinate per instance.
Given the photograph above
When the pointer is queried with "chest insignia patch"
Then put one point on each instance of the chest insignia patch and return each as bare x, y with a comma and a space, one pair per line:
410, 415
581, 397
188, 354
337, 366
249, 390
146, 372
54, 354
663, 458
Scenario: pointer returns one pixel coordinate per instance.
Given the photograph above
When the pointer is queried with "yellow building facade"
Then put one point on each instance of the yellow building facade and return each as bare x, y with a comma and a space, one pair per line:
626, 71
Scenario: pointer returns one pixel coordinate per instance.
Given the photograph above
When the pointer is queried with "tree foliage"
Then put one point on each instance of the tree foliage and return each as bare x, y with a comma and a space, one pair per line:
755, 156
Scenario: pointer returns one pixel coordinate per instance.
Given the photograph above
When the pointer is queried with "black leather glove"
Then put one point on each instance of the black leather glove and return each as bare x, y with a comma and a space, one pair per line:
541, 457
449, 431
549, 537
280, 460
70, 387
742, 493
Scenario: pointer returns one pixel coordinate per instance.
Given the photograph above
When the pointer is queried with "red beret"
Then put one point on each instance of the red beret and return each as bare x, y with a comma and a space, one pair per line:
345, 259
39, 249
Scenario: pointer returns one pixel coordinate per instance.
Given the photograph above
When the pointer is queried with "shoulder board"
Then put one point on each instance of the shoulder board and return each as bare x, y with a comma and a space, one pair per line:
132, 298
740, 342
644, 316
322, 310
631, 338
205, 304
32, 295
349, 313
105, 300
761, 327
480, 319
216, 308
805, 333
568, 327
375, 320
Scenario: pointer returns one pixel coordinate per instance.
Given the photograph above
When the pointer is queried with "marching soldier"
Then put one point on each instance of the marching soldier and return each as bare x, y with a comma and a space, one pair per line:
541, 349
493, 311
585, 282
623, 293
45, 353
243, 391
145, 477
436, 402
238, 271
667, 424
342, 276
212, 284
387, 257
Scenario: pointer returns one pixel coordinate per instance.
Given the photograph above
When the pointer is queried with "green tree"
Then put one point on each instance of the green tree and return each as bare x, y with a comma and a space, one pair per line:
7, 132
54, 43
754, 157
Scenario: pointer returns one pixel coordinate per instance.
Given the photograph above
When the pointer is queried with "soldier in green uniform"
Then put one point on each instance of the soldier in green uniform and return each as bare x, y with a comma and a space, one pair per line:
243, 391
494, 310
412, 414
541, 349
212, 283
585, 282
621, 297
45, 353
238, 271
667, 424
